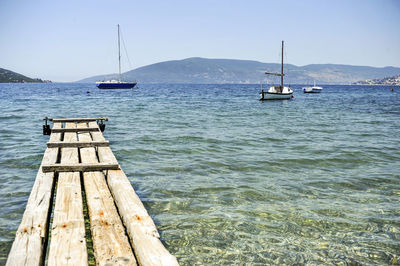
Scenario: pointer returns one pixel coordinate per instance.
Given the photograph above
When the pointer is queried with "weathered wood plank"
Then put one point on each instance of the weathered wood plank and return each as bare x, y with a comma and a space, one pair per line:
76, 120
75, 144
68, 244
111, 245
105, 152
140, 227
78, 129
79, 167
28, 246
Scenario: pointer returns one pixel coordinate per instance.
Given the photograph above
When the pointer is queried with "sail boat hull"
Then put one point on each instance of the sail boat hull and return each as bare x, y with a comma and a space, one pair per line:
276, 93
115, 85
276, 96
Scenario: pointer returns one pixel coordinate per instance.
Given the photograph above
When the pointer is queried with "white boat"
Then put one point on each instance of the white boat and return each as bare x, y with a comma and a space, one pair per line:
277, 92
313, 89
116, 84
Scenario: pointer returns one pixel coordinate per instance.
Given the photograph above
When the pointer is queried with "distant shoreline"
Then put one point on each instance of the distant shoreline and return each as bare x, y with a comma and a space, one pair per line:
265, 85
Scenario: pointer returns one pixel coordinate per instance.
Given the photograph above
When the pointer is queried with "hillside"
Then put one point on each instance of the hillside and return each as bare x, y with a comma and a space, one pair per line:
7, 76
216, 71
389, 81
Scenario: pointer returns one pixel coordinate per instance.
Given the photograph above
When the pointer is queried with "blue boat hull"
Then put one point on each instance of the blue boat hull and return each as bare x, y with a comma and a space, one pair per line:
116, 85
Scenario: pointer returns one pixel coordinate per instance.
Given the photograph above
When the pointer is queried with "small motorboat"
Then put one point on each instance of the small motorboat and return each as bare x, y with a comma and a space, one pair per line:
313, 89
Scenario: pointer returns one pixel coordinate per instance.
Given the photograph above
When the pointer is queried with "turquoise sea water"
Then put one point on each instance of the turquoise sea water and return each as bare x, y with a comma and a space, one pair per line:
229, 179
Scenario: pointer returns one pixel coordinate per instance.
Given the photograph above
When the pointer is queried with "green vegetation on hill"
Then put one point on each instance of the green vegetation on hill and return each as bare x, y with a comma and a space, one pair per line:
7, 76
217, 71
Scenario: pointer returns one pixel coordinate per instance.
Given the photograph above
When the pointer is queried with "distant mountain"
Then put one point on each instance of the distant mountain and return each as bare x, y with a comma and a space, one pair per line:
216, 71
8, 76
389, 81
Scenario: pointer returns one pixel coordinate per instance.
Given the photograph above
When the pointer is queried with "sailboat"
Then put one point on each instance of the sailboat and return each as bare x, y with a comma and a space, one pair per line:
277, 92
116, 84
314, 89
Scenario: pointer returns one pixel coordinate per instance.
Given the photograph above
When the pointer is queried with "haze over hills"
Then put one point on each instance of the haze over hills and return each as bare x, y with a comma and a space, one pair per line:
217, 71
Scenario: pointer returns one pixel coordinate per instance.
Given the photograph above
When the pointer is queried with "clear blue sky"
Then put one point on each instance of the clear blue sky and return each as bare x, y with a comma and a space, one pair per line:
70, 40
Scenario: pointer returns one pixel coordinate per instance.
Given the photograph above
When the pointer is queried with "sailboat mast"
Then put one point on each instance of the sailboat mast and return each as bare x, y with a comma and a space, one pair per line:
282, 68
119, 58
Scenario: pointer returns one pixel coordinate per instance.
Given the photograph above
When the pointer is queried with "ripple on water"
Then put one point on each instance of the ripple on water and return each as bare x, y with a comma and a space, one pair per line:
227, 179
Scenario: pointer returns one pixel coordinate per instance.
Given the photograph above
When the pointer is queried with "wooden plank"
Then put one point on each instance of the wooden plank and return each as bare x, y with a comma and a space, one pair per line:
30, 239
105, 152
76, 120
68, 243
79, 167
75, 144
78, 129
110, 243
140, 227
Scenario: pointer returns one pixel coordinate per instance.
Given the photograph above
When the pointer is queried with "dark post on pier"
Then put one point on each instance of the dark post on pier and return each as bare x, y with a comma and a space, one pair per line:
79, 172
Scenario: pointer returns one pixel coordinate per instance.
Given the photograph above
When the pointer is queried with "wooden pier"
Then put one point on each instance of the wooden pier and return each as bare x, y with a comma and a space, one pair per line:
78, 164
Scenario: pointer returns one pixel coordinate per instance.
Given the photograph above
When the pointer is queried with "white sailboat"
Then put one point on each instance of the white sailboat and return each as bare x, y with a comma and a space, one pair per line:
314, 89
277, 92
116, 84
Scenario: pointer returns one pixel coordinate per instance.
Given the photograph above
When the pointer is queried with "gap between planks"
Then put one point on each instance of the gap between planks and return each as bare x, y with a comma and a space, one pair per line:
68, 242
140, 227
110, 244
